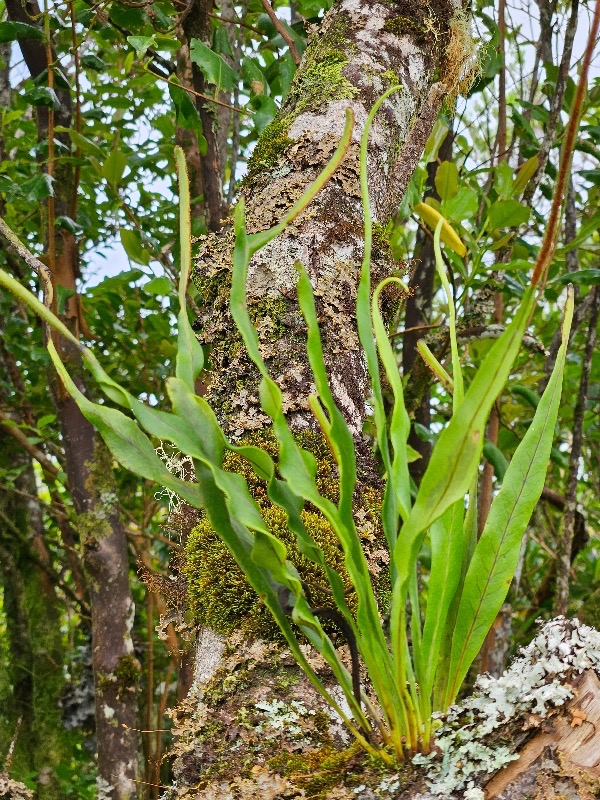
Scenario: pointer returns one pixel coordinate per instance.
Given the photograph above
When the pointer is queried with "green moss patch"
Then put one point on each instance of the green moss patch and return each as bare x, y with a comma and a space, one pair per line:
219, 595
270, 146
319, 81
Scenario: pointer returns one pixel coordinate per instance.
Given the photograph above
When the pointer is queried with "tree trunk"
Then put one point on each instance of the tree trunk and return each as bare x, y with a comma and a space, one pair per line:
360, 50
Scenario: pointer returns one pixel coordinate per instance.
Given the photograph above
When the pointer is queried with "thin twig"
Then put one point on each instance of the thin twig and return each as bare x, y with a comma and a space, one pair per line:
77, 65
231, 21
565, 539
416, 328
281, 29
555, 105
500, 143
550, 236
203, 96
9, 426
32, 261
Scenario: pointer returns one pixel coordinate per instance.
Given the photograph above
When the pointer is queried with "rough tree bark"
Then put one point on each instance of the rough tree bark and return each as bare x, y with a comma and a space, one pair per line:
360, 50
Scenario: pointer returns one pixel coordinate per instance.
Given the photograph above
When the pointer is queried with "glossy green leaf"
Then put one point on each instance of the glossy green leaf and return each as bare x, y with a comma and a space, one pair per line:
582, 277
11, 31
114, 167
253, 76
241, 545
127, 443
186, 114
448, 548
141, 44
503, 180
82, 142
91, 61
213, 66
436, 137
264, 110
43, 96
161, 286
132, 244
190, 356
446, 180
456, 456
525, 174
462, 206
65, 223
38, 188
507, 214
398, 480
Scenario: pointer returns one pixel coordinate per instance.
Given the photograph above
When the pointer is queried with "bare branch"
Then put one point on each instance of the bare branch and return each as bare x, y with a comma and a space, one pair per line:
565, 540
281, 29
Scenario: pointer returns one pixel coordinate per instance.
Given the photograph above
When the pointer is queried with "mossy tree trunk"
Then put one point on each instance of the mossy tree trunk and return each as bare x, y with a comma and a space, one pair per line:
360, 50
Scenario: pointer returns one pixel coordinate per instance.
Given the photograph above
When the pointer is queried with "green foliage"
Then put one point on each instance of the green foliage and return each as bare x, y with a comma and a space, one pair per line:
126, 202
409, 681
215, 69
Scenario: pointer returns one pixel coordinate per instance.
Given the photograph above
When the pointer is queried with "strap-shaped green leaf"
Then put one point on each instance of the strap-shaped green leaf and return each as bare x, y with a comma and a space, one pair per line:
190, 357
125, 440
453, 464
366, 335
240, 545
371, 639
457, 377
496, 554
456, 456
337, 432
267, 552
447, 554
198, 414
399, 426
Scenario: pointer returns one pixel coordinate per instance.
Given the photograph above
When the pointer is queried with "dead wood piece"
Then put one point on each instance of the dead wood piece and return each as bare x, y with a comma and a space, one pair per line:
566, 751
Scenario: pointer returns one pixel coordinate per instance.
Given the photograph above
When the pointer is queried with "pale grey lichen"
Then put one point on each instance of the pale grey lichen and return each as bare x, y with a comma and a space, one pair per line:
283, 717
104, 789
536, 683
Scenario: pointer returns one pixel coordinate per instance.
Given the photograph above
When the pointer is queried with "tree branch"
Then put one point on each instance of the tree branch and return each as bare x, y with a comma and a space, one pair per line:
281, 29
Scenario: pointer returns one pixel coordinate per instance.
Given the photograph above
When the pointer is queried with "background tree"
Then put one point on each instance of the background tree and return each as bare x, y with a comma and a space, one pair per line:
87, 129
